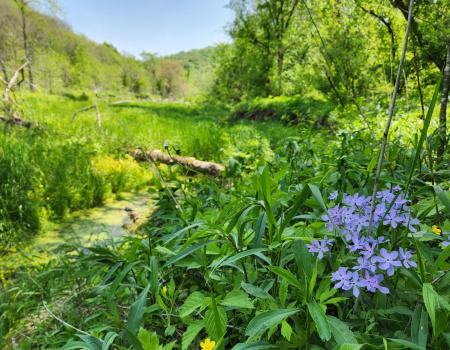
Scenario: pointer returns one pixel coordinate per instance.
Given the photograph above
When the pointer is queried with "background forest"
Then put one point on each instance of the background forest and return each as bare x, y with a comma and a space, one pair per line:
320, 220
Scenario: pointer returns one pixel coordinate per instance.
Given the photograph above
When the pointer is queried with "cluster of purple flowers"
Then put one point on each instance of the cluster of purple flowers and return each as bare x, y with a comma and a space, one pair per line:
351, 220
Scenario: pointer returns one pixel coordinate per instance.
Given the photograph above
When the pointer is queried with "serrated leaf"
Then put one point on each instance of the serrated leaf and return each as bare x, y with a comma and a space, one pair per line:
341, 332
237, 299
149, 341
216, 321
191, 332
320, 320
255, 291
286, 330
193, 302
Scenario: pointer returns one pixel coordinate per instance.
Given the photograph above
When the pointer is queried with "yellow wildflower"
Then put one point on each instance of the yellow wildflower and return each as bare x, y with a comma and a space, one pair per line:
207, 344
164, 290
436, 229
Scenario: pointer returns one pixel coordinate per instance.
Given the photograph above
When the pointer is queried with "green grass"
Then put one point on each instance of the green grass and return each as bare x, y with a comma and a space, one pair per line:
66, 163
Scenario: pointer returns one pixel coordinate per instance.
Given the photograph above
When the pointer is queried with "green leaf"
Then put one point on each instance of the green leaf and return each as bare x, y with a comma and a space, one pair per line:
441, 260
265, 320
187, 252
423, 134
190, 334
320, 320
406, 343
149, 341
260, 228
137, 311
419, 327
237, 299
288, 276
433, 302
109, 339
255, 291
216, 321
443, 196
286, 330
430, 302
318, 196
193, 302
341, 332
254, 346
154, 280
348, 346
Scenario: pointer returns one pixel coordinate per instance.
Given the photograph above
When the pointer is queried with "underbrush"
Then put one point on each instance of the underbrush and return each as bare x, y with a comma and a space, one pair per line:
288, 109
270, 259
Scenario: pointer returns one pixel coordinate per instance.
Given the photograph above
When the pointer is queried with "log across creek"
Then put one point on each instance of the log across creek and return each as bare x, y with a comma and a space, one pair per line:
157, 156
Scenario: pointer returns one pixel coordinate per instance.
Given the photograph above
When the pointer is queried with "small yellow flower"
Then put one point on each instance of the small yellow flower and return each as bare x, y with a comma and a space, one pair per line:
164, 290
436, 229
207, 344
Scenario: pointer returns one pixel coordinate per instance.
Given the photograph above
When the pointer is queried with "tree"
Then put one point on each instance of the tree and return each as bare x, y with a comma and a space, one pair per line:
170, 78
23, 8
444, 101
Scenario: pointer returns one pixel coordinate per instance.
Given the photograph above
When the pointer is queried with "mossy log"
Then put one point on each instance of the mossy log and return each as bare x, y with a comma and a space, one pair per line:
209, 168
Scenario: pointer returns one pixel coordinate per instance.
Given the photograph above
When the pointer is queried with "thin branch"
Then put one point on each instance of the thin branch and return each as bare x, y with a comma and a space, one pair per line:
390, 116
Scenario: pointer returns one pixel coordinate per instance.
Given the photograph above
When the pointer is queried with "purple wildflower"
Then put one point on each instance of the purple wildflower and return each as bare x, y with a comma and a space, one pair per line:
333, 195
372, 283
387, 261
341, 277
405, 257
365, 263
320, 247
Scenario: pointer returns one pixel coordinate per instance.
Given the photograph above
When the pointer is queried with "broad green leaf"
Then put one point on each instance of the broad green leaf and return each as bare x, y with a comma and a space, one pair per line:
419, 327
407, 343
259, 231
254, 346
265, 320
348, 346
444, 197
441, 260
237, 299
320, 320
430, 302
286, 330
187, 252
109, 339
191, 332
154, 280
433, 301
216, 321
149, 340
288, 276
341, 333
318, 196
137, 311
193, 302
255, 291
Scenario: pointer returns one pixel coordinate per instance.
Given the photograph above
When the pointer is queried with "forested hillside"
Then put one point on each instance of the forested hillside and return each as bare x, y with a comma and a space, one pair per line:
63, 61
288, 188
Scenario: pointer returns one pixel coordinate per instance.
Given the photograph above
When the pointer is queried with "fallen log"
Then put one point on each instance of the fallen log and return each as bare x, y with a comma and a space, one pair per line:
16, 121
158, 156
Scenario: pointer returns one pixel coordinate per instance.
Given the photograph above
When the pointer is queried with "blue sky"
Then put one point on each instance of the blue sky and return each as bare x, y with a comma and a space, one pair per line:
158, 26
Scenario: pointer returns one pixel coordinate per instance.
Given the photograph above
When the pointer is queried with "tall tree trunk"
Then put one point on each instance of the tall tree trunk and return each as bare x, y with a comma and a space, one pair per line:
444, 101
280, 63
26, 44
